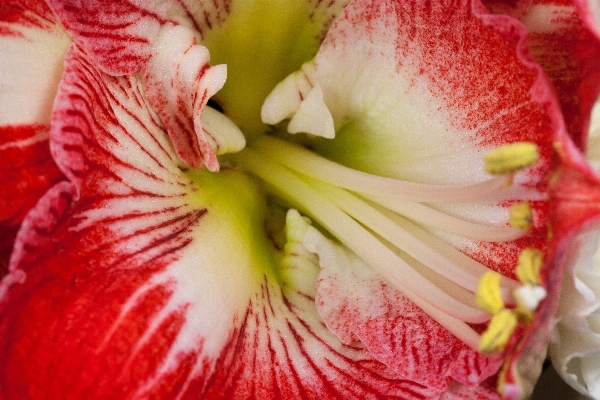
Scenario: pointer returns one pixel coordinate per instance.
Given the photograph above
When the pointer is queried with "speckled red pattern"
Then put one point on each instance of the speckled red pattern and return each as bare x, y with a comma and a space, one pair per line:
569, 54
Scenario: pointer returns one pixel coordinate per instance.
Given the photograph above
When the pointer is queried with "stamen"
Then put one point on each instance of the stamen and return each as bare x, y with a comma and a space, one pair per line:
528, 298
285, 99
436, 219
439, 279
511, 158
313, 116
397, 236
288, 186
436, 244
531, 293
315, 166
221, 133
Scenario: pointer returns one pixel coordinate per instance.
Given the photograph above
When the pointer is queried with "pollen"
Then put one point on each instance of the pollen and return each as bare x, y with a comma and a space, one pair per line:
498, 333
528, 266
520, 216
511, 158
489, 295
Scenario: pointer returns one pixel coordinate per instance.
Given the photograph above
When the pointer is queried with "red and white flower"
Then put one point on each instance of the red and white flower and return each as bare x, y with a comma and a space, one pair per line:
173, 260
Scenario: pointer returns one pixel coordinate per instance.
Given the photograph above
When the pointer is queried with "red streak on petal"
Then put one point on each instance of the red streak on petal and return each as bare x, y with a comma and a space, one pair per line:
27, 171
26, 13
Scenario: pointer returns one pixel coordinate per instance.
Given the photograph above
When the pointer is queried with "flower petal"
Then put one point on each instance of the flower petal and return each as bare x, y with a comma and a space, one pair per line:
455, 94
357, 304
32, 46
576, 215
562, 39
129, 204
448, 100
175, 70
468, 84
139, 279
257, 59
179, 84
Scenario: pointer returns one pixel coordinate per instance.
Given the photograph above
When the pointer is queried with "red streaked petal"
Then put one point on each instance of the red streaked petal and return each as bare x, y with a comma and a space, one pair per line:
282, 350
179, 83
108, 316
467, 84
32, 47
175, 70
127, 283
26, 172
562, 39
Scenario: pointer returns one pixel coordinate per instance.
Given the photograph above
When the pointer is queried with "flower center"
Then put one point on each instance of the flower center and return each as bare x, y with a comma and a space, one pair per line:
394, 225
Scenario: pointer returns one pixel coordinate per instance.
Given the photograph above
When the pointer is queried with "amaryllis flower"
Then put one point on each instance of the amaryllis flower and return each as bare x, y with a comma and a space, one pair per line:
317, 200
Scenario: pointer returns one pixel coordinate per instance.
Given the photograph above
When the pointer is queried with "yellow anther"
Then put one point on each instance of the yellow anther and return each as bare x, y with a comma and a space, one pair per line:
520, 215
488, 295
528, 266
498, 332
511, 158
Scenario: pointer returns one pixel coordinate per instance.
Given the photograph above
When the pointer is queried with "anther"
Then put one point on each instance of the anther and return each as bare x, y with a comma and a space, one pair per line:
498, 333
488, 295
528, 266
520, 216
511, 158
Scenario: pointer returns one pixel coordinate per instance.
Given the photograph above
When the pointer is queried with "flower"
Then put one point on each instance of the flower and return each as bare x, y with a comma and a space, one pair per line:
173, 261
